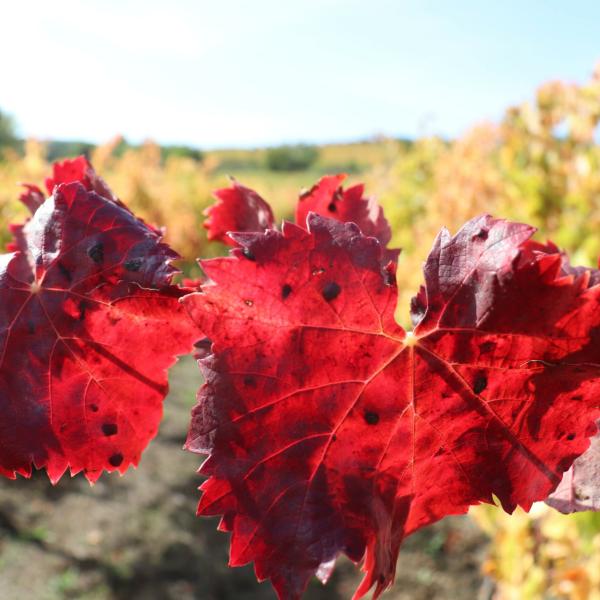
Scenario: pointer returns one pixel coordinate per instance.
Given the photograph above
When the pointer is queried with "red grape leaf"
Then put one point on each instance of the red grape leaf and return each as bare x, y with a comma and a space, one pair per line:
89, 324
68, 171
579, 489
79, 169
329, 199
192, 284
330, 429
32, 197
238, 208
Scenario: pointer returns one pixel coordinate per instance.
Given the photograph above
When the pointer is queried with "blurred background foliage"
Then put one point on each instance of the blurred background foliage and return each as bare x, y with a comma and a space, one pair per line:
541, 554
538, 164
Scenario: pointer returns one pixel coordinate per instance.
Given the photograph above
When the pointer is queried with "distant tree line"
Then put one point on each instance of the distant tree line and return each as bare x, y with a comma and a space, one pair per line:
57, 149
284, 158
291, 158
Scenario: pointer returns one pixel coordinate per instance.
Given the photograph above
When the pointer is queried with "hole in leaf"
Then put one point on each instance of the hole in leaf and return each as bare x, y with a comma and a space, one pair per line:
116, 459
372, 418
96, 252
65, 272
480, 384
109, 429
249, 381
331, 291
134, 265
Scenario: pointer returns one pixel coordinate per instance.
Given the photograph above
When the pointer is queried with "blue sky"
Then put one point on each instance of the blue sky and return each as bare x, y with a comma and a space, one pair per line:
225, 73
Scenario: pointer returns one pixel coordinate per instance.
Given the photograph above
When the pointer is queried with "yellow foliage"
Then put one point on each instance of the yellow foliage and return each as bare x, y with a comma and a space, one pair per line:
543, 554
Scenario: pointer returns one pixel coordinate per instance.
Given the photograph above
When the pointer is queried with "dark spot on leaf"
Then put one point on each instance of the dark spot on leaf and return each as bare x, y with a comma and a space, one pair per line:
249, 381
96, 252
382, 578
116, 459
109, 429
487, 347
571, 437
372, 418
332, 207
31, 327
482, 234
480, 384
248, 254
64, 271
134, 264
82, 309
286, 290
331, 291
94, 407
577, 398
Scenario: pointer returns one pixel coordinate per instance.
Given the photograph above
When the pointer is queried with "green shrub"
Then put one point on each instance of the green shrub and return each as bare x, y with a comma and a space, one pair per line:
291, 158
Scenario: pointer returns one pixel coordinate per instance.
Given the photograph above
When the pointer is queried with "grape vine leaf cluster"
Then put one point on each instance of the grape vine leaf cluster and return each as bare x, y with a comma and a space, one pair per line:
329, 428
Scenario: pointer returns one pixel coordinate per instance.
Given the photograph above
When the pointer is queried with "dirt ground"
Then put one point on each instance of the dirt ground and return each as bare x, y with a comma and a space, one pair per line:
137, 537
